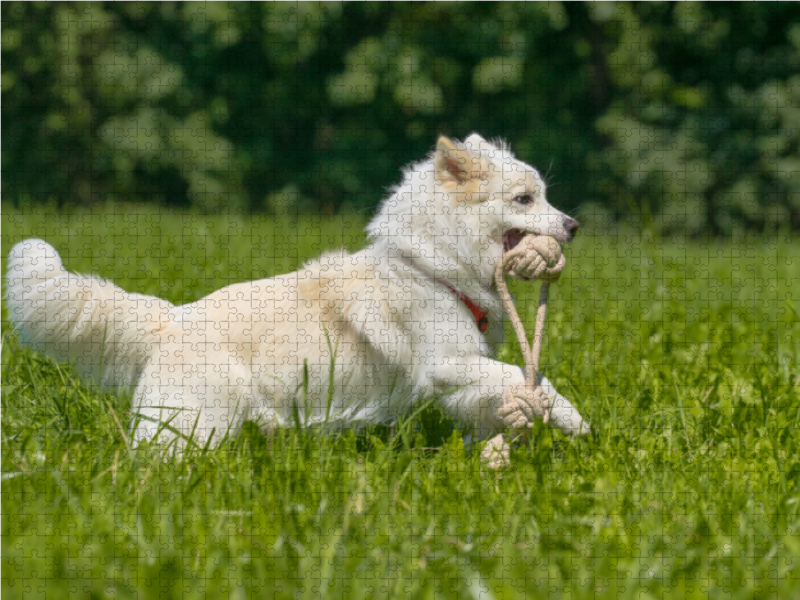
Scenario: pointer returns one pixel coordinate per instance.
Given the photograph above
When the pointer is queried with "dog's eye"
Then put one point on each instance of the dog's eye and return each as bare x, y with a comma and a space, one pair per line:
524, 199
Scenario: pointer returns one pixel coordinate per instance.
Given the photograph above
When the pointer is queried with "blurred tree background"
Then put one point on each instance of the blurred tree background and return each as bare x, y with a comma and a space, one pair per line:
685, 115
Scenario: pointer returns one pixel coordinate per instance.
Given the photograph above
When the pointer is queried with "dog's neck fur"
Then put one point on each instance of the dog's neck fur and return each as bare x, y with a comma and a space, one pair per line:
419, 225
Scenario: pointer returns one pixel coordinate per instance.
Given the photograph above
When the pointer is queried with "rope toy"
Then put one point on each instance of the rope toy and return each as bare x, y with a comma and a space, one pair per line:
534, 257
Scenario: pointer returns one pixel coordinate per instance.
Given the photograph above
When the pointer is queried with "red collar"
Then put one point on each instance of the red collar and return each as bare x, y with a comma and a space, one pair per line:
481, 316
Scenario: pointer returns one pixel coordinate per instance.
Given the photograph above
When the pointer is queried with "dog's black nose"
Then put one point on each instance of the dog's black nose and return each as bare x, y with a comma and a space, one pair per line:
571, 225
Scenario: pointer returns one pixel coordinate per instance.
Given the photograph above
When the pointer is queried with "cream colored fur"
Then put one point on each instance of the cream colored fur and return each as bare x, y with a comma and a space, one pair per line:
263, 350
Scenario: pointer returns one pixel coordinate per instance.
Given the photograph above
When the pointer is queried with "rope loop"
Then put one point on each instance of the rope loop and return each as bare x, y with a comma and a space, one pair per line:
534, 257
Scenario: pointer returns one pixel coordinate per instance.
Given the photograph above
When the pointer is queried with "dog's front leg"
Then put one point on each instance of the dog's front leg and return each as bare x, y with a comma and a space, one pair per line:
479, 394
477, 385
563, 415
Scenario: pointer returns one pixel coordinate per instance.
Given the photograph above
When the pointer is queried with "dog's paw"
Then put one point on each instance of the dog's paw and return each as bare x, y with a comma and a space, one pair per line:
566, 417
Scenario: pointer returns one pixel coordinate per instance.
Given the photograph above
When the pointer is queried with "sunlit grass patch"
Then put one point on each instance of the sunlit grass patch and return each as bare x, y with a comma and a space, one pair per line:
682, 355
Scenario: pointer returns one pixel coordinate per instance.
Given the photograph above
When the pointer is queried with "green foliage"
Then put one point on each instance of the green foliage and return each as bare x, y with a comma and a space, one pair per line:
672, 116
703, 116
682, 355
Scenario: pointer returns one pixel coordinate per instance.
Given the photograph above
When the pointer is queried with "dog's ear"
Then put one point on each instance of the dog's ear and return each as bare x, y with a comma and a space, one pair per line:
454, 163
475, 141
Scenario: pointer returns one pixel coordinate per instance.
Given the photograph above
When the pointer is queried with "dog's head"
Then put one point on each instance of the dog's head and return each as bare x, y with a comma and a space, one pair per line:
456, 212
478, 176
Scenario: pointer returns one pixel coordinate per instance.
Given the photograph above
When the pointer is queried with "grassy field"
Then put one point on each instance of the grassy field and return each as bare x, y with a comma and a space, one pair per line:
683, 355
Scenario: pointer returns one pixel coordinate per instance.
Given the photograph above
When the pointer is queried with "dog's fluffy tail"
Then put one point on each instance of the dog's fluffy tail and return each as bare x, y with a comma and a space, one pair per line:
109, 333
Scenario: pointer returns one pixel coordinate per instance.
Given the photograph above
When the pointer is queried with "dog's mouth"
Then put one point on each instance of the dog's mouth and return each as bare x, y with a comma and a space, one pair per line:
512, 238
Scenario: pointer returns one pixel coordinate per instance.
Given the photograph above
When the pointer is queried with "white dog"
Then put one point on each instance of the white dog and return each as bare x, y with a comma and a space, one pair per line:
348, 339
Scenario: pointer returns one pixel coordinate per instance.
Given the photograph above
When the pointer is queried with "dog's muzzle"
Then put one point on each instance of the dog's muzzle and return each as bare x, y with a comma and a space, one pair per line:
512, 238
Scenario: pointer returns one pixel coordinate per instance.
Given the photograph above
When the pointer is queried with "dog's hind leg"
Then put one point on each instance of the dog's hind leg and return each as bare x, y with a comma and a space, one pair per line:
190, 403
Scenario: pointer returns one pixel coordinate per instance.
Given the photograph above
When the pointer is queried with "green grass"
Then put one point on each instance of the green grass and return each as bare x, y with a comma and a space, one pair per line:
682, 355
